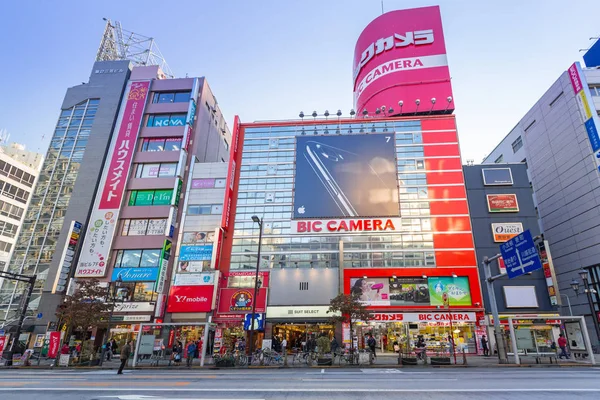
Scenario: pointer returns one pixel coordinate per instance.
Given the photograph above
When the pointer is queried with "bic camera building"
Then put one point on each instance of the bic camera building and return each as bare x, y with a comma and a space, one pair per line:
374, 205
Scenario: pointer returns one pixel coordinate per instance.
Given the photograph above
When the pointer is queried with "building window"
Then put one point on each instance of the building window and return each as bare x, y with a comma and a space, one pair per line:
595, 91
159, 120
499, 159
162, 170
143, 227
171, 97
148, 258
4, 246
10, 210
205, 209
16, 173
13, 192
517, 144
162, 144
160, 197
7, 229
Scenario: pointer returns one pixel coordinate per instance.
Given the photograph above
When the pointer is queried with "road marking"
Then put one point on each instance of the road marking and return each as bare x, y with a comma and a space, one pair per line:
322, 370
381, 371
381, 379
303, 390
142, 397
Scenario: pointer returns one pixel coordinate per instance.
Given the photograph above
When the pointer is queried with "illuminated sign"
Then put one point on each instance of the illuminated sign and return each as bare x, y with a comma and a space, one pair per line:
346, 225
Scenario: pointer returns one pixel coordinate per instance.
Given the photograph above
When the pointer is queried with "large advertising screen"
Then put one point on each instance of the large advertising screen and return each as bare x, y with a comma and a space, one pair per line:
401, 56
412, 291
346, 176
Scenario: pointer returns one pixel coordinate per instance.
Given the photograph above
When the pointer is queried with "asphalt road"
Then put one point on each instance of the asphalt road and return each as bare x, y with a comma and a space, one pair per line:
330, 384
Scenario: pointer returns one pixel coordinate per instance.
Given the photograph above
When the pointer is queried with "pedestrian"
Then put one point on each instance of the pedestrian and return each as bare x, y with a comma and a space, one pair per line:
198, 347
125, 353
484, 346
562, 343
334, 345
65, 349
114, 347
108, 349
191, 351
177, 350
371, 343
78, 349
284, 346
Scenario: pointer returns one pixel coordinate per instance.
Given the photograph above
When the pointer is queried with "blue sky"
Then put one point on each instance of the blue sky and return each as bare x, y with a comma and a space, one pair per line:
272, 59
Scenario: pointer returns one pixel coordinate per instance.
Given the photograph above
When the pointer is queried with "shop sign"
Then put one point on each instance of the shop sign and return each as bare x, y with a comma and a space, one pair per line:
299, 312
134, 307
233, 156
176, 193
245, 279
426, 317
104, 215
66, 260
502, 203
53, 344
131, 318
3, 344
135, 274
506, 231
241, 301
203, 183
346, 332
194, 279
165, 255
549, 274
190, 298
169, 227
335, 226
190, 266
196, 253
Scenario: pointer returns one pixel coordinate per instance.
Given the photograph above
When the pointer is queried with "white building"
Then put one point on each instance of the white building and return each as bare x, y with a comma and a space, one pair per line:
558, 140
19, 170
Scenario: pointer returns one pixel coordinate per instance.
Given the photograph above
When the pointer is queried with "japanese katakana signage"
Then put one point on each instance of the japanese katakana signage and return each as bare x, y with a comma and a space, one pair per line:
101, 228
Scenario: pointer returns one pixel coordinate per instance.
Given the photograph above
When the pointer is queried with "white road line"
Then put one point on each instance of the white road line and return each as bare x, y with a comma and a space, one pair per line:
322, 370
395, 380
300, 390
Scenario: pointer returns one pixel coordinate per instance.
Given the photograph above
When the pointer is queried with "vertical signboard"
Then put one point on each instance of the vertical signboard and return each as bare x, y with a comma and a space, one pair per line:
549, 274
165, 255
53, 344
64, 266
587, 110
191, 116
104, 216
231, 174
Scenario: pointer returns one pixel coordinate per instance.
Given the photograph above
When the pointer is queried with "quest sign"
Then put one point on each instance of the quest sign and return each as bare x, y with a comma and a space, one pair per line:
346, 225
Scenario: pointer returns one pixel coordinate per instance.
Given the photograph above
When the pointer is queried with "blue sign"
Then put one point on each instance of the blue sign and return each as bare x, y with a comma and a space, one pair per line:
592, 56
135, 274
40, 315
592, 132
196, 253
520, 255
259, 322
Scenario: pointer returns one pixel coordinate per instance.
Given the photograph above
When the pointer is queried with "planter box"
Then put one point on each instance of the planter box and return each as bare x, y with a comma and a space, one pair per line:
439, 360
408, 361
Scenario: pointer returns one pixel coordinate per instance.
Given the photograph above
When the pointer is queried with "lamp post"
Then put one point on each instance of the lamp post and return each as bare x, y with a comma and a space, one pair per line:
259, 221
575, 285
115, 287
568, 303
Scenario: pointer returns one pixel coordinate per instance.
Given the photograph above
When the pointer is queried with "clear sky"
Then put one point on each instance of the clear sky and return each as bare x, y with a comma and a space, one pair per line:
273, 59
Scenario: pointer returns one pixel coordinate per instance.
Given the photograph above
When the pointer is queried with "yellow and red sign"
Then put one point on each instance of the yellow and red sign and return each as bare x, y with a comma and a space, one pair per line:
502, 203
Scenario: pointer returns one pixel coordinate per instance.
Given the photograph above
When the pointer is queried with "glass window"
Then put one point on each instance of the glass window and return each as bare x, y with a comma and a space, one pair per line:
150, 258
150, 197
199, 210
147, 170
165, 97
173, 144
154, 145
163, 197
517, 144
171, 97
167, 170
220, 183
182, 97
143, 291
137, 227
177, 119
216, 209
125, 227
128, 258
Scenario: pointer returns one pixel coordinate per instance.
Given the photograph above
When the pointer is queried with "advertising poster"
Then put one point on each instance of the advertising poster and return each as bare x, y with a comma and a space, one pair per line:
2, 344
190, 298
409, 291
192, 266
194, 279
574, 336
196, 253
198, 237
506, 231
502, 203
372, 291
53, 344
346, 176
457, 289
239, 301
104, 215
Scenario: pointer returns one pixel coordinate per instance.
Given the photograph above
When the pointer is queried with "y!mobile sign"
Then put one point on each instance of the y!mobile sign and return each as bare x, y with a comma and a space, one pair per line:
401, 55
101, 229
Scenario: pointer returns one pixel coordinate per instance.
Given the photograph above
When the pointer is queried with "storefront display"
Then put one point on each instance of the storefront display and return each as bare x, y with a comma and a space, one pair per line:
298, 334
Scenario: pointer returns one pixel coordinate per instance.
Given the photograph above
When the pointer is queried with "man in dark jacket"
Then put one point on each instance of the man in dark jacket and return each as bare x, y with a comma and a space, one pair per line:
125, 353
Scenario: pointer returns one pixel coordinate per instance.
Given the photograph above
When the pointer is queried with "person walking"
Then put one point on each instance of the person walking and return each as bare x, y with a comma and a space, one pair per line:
562, 343
485, 346
191, 351
371, 343
125, 353
334, 345
177, 350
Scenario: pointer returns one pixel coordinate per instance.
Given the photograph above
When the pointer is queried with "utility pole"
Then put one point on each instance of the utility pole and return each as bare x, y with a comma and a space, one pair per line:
30, 280
498, 331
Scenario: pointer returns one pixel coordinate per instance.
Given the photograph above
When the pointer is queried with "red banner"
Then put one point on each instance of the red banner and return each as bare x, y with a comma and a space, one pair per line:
122, 154
54, 344
2, 343
190, 298
239, 301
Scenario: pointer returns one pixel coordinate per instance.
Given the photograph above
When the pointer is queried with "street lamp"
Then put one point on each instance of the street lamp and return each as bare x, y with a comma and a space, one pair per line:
568, 301
113, 298
257, 284
588, 291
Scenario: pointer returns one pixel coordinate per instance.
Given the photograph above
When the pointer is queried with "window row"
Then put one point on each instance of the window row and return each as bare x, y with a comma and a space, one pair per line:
5, 246
16, 173
171, 97
159, 120
595, 90
143, 227
205, 209
148, 258
162, 144
8, 229
137, 291
156, 170
159, 197
10, 210
13, 192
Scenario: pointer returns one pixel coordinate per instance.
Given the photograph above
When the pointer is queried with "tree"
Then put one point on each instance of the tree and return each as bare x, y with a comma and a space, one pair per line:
84, 308
349, 310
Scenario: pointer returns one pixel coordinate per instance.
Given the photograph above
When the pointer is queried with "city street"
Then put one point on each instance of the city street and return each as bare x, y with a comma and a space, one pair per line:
431, 384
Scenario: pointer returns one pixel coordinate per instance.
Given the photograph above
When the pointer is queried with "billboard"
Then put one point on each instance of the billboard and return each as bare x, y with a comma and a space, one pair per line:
190, 298
196, 253
502, 203
239, 301
412, 291
104, 216
346, 176
401, 55
506, 231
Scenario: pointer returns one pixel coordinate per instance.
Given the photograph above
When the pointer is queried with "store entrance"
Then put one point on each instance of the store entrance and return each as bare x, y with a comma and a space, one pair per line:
299, 335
